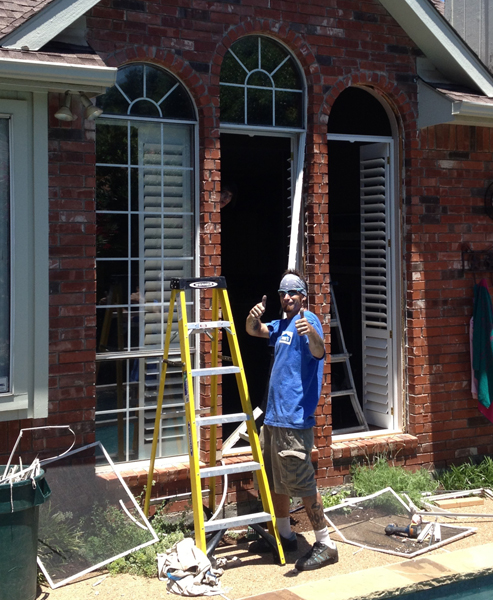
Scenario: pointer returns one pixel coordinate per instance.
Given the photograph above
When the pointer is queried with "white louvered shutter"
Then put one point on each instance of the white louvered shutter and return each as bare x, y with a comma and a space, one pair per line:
375, 284
166, 247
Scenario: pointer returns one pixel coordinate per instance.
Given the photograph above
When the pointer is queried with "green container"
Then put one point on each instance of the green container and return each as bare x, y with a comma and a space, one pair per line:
19, 536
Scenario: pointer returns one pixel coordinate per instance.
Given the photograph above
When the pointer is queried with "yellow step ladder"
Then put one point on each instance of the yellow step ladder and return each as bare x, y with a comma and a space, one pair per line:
195, 418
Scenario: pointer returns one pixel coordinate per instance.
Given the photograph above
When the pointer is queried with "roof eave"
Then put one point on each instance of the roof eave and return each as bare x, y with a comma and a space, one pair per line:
51, 76
45, 25
432, 33
436, 109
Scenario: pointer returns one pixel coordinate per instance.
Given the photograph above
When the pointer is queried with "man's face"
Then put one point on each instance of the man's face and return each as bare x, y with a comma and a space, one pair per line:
291, 302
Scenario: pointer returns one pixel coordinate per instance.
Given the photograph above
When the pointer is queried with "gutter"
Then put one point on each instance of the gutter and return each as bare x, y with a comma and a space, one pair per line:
435, 108
55, 76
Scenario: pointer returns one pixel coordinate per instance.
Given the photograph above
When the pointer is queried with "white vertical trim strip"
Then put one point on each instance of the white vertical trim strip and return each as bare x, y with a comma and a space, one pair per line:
296, 212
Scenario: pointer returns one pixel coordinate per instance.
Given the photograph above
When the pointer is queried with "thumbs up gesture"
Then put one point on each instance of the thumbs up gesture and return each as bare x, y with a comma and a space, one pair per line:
303, 327
258, 310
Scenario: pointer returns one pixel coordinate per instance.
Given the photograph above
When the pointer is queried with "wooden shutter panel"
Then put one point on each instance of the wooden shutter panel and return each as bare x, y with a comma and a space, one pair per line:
167, 251
375, 284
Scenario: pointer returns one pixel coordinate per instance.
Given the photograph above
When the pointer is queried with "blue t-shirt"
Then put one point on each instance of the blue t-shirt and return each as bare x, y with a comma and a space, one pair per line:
296, 378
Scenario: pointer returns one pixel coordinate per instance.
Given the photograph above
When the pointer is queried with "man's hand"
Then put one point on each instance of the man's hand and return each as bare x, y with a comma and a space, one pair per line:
254, 326
315, 342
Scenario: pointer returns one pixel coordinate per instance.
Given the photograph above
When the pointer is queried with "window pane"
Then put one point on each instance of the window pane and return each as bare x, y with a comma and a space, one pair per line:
289, 106
272, 54
126, 392
288, 77
232, 71
232, 104
112, 188
111, 147
259, 107
260, 79
4, 257
246, 49
145, 108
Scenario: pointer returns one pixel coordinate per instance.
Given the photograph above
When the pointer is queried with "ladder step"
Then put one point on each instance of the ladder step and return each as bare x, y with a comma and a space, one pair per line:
229, 469
214, 371
343, 393
338, 358
204, 325
217, 419
260, 517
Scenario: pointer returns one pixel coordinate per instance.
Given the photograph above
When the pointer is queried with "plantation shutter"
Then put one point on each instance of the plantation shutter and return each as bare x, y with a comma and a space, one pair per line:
375, 284
167, 252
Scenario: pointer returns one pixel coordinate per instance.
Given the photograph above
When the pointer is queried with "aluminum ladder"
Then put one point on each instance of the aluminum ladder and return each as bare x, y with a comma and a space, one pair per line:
197, 418
344, 357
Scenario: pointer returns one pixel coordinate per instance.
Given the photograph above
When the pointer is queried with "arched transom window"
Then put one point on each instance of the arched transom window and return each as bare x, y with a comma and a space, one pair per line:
261, 85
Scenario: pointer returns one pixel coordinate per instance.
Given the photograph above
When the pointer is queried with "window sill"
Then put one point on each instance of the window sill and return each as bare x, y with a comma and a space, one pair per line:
396, 445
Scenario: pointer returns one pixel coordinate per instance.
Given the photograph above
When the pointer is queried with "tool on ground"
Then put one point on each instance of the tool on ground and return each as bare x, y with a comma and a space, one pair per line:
412, 530
209, 417
344, 357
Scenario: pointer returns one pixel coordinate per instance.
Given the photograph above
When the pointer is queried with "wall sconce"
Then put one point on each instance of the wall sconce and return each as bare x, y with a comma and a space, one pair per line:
64, 113
91, 112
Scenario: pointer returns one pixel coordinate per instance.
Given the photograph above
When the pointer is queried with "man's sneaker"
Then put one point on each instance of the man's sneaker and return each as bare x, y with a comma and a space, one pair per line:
261, 546
319, 556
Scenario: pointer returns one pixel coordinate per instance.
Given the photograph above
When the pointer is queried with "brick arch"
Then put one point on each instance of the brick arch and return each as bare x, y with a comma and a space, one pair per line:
387, 89
293, 41
168, 60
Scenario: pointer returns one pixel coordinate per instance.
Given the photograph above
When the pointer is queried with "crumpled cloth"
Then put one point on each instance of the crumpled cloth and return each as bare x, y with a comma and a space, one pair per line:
188, 570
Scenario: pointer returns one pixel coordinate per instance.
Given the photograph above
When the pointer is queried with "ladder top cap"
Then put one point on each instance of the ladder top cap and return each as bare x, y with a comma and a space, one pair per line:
198, 283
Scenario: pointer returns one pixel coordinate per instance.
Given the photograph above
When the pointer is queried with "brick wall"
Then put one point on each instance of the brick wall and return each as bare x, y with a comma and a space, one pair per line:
337, 44
445, 211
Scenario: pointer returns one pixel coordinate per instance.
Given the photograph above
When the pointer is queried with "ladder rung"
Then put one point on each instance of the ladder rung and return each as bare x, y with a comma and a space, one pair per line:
338, 358
229, 469
217, 419
204, 325
214, 371
342, 393
260, 517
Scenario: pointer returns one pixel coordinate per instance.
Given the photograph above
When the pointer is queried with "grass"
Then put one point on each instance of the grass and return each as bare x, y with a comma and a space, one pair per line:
468, 476
380, 474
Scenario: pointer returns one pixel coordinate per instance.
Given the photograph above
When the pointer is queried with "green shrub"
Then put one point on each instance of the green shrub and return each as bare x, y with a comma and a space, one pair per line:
333, 499
368, 479
143, 562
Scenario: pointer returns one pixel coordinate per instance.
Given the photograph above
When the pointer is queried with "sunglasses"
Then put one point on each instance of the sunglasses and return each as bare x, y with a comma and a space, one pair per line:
290, 293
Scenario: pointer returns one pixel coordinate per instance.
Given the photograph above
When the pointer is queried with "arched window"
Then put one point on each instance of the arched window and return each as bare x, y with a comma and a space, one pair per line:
145, 211
261, 85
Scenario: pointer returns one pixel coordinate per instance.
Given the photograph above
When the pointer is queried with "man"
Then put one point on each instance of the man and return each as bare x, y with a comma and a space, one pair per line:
287, 433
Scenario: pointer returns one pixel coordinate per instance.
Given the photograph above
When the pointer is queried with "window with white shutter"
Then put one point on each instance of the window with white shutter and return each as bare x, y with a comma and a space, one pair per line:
145, 201
376, 284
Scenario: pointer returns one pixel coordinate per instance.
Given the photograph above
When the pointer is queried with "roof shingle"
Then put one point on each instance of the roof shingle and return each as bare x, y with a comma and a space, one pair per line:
13, 13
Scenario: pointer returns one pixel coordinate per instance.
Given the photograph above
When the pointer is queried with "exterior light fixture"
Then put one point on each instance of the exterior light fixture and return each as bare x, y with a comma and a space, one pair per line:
64, 113
91, 112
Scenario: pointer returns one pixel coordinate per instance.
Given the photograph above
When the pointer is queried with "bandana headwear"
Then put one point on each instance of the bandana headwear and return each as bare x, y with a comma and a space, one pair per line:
292, 282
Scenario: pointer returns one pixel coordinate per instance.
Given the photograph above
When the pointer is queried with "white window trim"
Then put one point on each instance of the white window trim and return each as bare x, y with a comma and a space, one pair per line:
28, 135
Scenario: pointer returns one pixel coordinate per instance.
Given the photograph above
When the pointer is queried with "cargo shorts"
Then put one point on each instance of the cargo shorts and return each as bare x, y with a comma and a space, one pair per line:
287, 458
